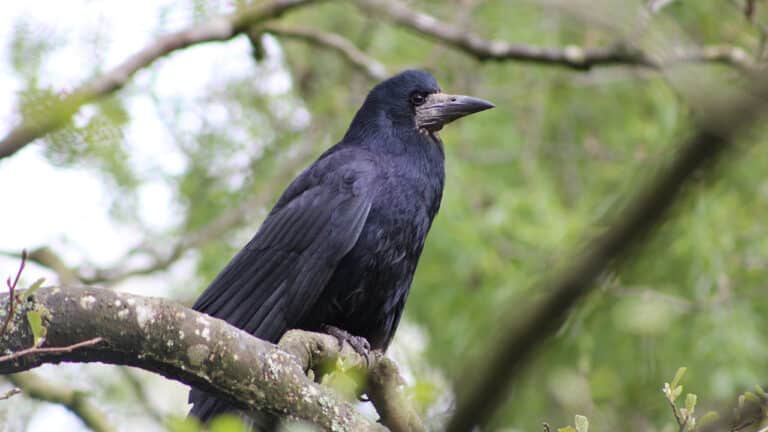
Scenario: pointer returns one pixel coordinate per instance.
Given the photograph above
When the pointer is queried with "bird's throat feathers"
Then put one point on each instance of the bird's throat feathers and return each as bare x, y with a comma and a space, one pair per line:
382, 134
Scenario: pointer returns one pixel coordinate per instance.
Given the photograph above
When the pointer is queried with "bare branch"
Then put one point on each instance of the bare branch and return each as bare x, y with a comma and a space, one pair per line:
217, 29
488, 384
483, 49
74, 400
335, 42
11, 289
181, 344
572, 56
10, 393
385, 391
36, 350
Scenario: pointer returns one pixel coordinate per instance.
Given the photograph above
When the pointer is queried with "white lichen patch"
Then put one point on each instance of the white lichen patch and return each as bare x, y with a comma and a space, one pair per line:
143, 316
170, 343
181, 334
87, 302
309, 393
123, 313
181, 316
275, 366
205, 330
131, 302
197, 354
118, 303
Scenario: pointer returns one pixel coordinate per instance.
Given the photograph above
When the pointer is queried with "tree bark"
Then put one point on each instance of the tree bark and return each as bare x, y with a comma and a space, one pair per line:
179, 343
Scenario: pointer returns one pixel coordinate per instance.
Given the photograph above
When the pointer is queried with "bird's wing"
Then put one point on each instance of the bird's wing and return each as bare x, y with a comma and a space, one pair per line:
272, 283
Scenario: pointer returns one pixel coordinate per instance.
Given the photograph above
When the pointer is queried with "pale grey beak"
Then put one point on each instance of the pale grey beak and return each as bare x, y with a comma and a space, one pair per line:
440, 109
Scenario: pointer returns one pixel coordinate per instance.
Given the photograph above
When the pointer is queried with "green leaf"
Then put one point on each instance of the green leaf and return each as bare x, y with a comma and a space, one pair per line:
566, 429
227, 423
760, 389
582, 424
34, 287
36, 324
751, 397
690, 402
676, 392
678, 376
183, 424
708, 418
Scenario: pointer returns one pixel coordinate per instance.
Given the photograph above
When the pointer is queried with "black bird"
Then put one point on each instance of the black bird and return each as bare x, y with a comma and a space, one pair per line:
339, 249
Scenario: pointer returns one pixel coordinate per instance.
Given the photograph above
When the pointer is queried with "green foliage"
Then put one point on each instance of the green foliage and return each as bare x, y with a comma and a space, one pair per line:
347, 380
227, 423
183, 424
221, 423
34, 287
30, 43
36, 325
749, 411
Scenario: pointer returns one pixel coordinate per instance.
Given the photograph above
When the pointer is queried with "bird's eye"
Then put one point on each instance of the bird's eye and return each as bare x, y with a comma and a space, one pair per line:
418, 98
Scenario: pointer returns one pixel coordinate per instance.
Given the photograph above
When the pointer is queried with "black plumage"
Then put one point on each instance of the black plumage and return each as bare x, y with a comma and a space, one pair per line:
341, 245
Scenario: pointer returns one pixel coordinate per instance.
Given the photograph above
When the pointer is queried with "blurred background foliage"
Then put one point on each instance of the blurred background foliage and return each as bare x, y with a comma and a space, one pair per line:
527, 183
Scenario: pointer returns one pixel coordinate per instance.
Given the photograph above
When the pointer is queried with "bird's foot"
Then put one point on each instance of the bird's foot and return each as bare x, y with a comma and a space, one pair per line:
358, 343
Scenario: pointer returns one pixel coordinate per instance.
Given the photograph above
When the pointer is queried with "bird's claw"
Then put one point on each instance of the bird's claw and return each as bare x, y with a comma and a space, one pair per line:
358, 343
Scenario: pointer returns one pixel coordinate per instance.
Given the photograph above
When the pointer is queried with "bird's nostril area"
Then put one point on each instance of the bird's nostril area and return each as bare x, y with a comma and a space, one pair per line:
453, 99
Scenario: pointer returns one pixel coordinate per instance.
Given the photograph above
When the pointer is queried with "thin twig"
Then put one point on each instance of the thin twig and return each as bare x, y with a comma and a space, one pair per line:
681, 423
50, 350
335, 42
10, 393
11, 290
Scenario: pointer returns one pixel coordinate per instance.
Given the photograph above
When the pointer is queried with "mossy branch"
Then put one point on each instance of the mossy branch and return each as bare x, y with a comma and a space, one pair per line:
161, 336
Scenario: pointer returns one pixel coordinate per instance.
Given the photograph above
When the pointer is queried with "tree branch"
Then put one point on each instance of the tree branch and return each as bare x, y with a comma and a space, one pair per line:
384, 384
714, 133
385, 391
334, 42
227, 27
74, 400
163, 337
10, 393
217, 29
572, 56
37, 350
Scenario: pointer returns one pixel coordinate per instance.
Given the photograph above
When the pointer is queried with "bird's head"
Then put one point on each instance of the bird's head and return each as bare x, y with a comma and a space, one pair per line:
413, 99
